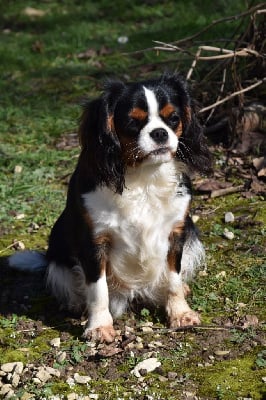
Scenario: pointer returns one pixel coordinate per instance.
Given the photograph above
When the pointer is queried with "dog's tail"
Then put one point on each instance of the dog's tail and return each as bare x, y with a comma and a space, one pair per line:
28, 261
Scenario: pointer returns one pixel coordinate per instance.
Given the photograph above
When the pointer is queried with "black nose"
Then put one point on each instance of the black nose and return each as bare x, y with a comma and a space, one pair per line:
159, 135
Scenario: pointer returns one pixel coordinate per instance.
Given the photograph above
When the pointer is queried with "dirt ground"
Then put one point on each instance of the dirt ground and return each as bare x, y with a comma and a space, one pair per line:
191, 360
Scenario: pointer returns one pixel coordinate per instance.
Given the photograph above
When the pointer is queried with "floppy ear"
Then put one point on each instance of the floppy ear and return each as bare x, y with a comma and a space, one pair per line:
101, 151
193, 149
193, 143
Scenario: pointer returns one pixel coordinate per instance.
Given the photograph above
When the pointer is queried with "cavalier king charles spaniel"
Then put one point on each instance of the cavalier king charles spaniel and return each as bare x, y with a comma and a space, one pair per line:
125, 232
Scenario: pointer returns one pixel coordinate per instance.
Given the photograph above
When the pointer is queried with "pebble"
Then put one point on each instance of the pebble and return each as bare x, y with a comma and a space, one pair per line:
70, 381
149, 365
18, 169
7, 391
172, 375
82, 379
264, 379
53, 371
146, 329
55, 342
228, 234
13, 367
43, 375
61, 356
195, 218
72, 396
229, 217
221, 352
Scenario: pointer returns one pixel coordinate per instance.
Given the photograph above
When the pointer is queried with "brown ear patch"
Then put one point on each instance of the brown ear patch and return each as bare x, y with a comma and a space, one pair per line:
138, 113
167, 110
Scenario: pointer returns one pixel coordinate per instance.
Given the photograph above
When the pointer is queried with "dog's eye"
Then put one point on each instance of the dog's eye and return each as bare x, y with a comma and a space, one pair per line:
135, 123
173, 118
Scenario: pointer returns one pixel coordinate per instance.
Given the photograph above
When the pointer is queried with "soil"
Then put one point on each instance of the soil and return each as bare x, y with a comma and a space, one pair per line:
185, 353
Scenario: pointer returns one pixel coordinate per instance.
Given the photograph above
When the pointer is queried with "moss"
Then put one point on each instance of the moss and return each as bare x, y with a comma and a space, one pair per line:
12, 345
230, 379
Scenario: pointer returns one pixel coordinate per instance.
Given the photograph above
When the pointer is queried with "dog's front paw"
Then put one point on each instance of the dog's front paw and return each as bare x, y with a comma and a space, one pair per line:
101, 334
188, 318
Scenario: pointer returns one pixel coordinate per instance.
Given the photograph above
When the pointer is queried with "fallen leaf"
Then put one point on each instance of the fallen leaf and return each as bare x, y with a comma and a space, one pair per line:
250, 320
109, 351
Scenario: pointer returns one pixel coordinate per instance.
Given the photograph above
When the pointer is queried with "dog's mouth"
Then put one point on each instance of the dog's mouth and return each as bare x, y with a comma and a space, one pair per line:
161, 150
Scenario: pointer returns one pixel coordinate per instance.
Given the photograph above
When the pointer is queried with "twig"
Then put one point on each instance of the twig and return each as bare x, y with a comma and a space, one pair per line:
219, 97
218, 21
197, 328
225, 191
9, 247
233, 95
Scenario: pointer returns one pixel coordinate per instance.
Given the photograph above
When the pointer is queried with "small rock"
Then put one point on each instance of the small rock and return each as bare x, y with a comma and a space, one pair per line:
18, 169
195, 218
229, 217
27, 396
228, 234
264, 379
20, 216
70, 381
61, 356
221, 352
53, 371
172, 375
6, 390
15, 379
18, 245
82, 379
162, 378
55, 342
72, 396
149, 365
221, 274
122, 39
33, 226
36, 380
13, 367
93, 396
43, 375
146, 329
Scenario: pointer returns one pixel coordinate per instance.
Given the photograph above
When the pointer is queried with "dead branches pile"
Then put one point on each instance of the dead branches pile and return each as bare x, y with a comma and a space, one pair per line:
229, 81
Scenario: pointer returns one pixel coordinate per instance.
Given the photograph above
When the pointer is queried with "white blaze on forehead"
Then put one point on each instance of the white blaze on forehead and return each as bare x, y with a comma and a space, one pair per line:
146, 143
152, 103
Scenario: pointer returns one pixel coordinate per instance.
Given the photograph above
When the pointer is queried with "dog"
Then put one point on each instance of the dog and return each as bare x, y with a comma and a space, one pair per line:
125, 233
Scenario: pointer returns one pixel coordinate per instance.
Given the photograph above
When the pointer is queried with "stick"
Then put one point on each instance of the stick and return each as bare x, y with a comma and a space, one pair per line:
233, 95
196, 328
218, 21
229, 190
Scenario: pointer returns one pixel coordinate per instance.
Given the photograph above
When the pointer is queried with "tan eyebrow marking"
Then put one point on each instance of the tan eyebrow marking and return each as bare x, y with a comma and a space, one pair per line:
138, 113
167, 110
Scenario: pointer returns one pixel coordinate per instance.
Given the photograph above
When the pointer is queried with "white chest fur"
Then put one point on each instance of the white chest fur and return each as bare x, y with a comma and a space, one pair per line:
140, 221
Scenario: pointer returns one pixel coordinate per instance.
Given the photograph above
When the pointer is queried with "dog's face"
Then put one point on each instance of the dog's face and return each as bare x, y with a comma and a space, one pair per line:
148, 127
149, 122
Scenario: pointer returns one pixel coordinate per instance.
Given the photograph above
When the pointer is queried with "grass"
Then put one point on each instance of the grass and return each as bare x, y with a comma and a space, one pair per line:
44, 80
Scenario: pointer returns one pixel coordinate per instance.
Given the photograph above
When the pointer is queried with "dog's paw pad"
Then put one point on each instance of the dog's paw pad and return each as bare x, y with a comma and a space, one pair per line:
102, 334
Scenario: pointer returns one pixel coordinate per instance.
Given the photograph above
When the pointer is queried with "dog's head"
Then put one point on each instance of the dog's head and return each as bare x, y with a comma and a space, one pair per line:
149, 122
